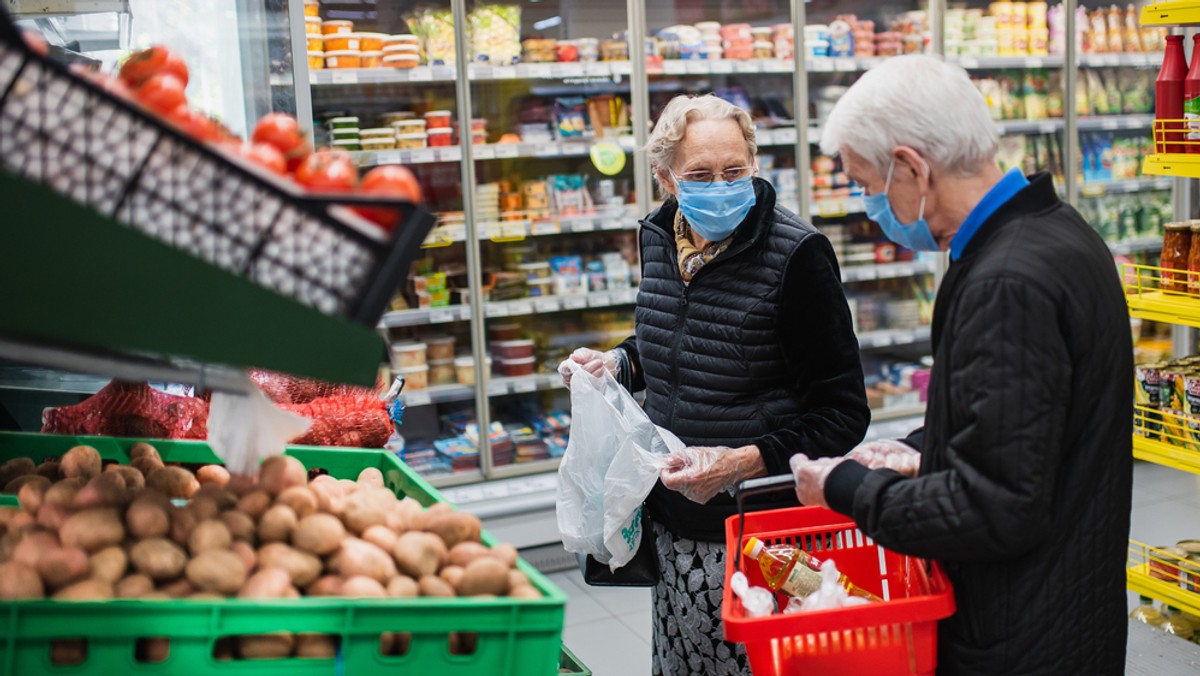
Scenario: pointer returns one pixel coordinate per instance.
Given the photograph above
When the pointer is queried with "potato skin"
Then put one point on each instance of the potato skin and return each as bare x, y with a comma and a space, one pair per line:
158, 558
19, 581
303, 568
277, 524
82, 462
266, 646
319, 534
267, 583
93, 529
302, 500
432, 585
212, 474
218, 571
454, 527
241, 527
418, 553
133, 586
280, 473
361, 586
210, 534
358, 557
316, 646
148, 518
403, 586
485, 575
62, 566
174, 482
87, 590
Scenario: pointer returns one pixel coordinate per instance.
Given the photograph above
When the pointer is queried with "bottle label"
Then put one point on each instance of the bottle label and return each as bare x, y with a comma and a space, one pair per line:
1191, 113
801, 581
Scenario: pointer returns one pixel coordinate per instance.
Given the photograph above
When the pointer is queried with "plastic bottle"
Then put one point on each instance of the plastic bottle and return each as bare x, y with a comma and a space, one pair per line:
1191, 99
1146, 613
781, 572
1168, 91
1177, 625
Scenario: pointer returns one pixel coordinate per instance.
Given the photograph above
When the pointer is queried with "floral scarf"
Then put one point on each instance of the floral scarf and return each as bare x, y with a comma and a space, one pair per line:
691, 259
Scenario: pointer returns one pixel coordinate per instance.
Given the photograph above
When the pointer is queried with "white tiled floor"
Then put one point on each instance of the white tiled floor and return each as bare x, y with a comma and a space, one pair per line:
609, 629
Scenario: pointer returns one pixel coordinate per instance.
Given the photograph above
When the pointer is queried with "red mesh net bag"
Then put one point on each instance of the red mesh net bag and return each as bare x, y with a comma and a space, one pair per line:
342, 415
282, 388
124, 409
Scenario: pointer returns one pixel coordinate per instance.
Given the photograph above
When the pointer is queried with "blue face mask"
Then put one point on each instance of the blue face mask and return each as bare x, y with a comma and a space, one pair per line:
915, 236
714, 210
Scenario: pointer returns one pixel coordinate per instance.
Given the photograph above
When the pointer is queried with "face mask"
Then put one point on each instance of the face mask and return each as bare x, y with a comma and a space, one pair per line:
915, 236
714, 210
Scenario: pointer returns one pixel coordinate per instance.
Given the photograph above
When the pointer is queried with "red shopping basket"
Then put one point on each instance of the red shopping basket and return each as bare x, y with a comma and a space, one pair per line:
897, 636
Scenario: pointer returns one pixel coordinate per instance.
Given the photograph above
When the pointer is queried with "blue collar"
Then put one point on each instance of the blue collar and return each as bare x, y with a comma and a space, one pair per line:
1008, 187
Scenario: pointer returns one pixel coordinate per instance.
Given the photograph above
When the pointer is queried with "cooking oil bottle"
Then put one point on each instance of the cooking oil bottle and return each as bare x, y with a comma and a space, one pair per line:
1146, 613
781, 572
1176, 624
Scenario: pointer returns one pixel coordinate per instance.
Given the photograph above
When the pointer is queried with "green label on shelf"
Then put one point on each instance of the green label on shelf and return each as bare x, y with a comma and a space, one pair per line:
608, 157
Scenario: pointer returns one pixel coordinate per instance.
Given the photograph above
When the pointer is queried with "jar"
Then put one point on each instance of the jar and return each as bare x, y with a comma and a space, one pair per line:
512, 349
415, 377
515, 368
439, 348
441, 371
437, 119
439, 138
1176, 251
410, 141
342, 59
342, 41
316, 60
336, 27
402, 61
535, 271
372, 59
1165, 563
371, 42
1193, 266
504, 331
312, 8
408, 355
464, 370
316, 43
336, 123
312, 25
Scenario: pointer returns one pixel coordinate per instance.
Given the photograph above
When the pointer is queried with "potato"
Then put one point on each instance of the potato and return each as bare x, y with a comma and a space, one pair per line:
31, 495
268, 583
51, 469
157, 596
133, 478
133, 586
65, 652
241, 526
370, 478
152, 650
183, 521
524, 591
174, 482
302, 500
109, 564
440, 508
281, 472
454, 527
349, 486
87, 590
146, 465
203, 507
223, 649
316, 646
93, 529
216, 570
17, 467
143, 450
206, 596
361, 586
359, 557
159, 558
246, 554
82, 462
506, 553
266, 646
254, 504
178, 589
63, 493
14, 487
212, 474
403, 587
418, 553
224, 498
302, 567
319, 534
327, 585
277, 524
516, 579
104, 490
148, 518
463, 643
485, 575
331, 497
52, 516
367, 508
62, 566
452, 574
19, 581
32, 546
382, 537
432, 585
211, 534
465, 552
22, 521
241, 484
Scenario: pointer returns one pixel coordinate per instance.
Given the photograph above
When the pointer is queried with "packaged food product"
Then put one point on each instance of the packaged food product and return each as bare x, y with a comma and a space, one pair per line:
566, 51
512, 368
1176, 251
437, 119
614, 50
403, 48
410, 141
312, 8
408, 355
378, 143
589, 49
415, 377
312, 25
504, 331
411, 126
494, 32
439, 138
1165, 563
441, 371
512, 349
439, 347
316, 43
372, 59
464, 370
403, 61
337, 26
378, 132
316, 59
346, 134
371, 42
341, 59
343, 123
336, 42
402, 39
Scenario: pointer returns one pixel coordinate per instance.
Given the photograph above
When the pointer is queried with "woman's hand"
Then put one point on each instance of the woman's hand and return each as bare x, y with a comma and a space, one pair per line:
592, 361
810, 478
699, 473
887, 454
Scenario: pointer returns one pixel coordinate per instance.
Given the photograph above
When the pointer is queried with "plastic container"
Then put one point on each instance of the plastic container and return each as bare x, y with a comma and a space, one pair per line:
372, 59
350, 145
376, 144
403, 48
439, 348
312, 25
409, 126
512, 349
464, 370
408, 355
441, 371
316, 60
378, 132
346, 134
439, 137
437, 119
312, 8
316, 43
898, 636
337, 26
402, 39
410, 141
342, 59
404, 61
337, 42
504, 331
343, 123
415, 377
372, 42
512, 368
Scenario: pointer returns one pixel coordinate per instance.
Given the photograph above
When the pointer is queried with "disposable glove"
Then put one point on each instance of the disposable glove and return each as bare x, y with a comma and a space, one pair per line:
699, 473
888, 454
592, 361
810, 478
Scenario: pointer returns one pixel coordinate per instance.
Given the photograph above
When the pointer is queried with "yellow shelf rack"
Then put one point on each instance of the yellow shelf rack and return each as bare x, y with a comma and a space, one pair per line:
1153, 572
1174, 154
1173, 13
1166, 438
1182, 165
1152, 294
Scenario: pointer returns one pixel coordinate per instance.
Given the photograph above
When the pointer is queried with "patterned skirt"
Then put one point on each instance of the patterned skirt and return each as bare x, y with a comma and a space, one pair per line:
688, 636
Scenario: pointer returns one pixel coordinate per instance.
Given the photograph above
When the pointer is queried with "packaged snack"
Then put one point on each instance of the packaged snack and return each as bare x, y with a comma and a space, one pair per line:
346, 58
494, 32
316, 59
1035, 90
435, 28
336, 27
570, 117
337, 42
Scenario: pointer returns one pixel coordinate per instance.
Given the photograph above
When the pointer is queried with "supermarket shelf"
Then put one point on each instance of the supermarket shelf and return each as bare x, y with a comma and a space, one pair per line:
870, 340
1136, 245
782, 136
1124, 185
1158, 452
1095, 123
1165, 438
499, 387
1172, 13
30, 379
372, 158
1152, 572
864, 273
1147, 300
501, 151
354, 76
521, 71
511, 231
449, 480
510, 308
437, 394
1181, 165
1056, 61
729, 66
838, 208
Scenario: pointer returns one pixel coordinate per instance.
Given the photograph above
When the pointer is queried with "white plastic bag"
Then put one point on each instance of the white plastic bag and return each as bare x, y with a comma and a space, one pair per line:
612, 460
758, 601
244, 430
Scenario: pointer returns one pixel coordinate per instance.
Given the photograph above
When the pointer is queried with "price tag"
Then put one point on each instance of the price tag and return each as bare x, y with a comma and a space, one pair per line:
1093, 190
420, 74
467, 494
600, 300
583, 225
388, 157
514, 230
418, 398
612, 224
597, 69
452, 154
830, 208
507, 150
621, 68
1047, 128
423, 156
496, 389
845, 65
520, 307
674, 67
345, 77
722, 66
493, 492
479, 72
546, 305
575, 302
484, 152
537, 71
496, 310
571, 70
1110, 124
969, 63
546, 228
437, 237
1111, 59
628, 297
525, 386
695, 67
547, 151
785, 136
821, 64
1033, 62
442, 316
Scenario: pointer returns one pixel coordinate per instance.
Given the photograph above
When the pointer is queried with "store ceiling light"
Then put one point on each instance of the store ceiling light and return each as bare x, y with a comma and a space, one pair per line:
547, 23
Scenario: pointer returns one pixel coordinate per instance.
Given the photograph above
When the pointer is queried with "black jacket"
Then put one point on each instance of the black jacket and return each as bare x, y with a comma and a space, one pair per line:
758, 349
1026, 465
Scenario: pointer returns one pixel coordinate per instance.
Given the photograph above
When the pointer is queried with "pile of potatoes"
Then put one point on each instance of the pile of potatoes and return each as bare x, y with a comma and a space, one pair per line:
84, 531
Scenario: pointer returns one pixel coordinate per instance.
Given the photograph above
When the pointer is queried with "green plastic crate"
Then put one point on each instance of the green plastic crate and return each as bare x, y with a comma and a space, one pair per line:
516, 637
569, 664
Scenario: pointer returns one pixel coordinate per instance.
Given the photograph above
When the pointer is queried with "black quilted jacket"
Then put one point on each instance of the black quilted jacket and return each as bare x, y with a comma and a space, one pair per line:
1026, 466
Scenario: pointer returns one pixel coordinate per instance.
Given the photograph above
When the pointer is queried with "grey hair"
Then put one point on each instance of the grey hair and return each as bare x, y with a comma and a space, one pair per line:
916, 101
672, 125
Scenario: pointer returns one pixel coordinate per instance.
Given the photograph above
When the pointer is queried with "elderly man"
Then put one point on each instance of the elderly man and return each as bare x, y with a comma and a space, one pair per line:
1025, 469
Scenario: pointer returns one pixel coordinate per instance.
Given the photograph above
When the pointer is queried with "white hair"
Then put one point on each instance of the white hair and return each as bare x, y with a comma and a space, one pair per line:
672, 125
916, 101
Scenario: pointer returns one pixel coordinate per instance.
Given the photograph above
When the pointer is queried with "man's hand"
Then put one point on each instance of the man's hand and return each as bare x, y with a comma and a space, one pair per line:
810, 478
699, 473
887, 454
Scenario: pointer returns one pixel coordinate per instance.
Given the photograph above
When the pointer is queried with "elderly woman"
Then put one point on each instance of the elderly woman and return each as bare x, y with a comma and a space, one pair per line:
745, 349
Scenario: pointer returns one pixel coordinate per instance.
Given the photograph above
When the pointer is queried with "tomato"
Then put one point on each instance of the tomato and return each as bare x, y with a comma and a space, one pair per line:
162, 93
265, 156
390, 180
328, 171
145, 64
176, 66
283, 131
36, 42
196, 124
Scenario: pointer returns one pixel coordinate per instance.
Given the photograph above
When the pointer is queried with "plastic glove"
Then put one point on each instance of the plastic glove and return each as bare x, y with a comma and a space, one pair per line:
810, 478
699, 473
593, 361
888, 454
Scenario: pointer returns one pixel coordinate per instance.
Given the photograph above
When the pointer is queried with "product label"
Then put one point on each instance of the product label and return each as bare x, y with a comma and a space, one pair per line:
802, 581
1191, 112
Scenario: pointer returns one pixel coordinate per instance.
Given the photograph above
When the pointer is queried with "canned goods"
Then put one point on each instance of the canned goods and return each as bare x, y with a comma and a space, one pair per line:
1192, 547
1191, 409
1148, 395
1164, 563
1171, 386
1190, 573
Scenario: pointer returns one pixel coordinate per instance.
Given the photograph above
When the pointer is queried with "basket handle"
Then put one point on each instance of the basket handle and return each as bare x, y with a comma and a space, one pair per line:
759, 486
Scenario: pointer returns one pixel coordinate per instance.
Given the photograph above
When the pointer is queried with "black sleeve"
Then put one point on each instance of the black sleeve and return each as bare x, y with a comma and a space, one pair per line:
638, 382
1010, 373
822, 357
916, 439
